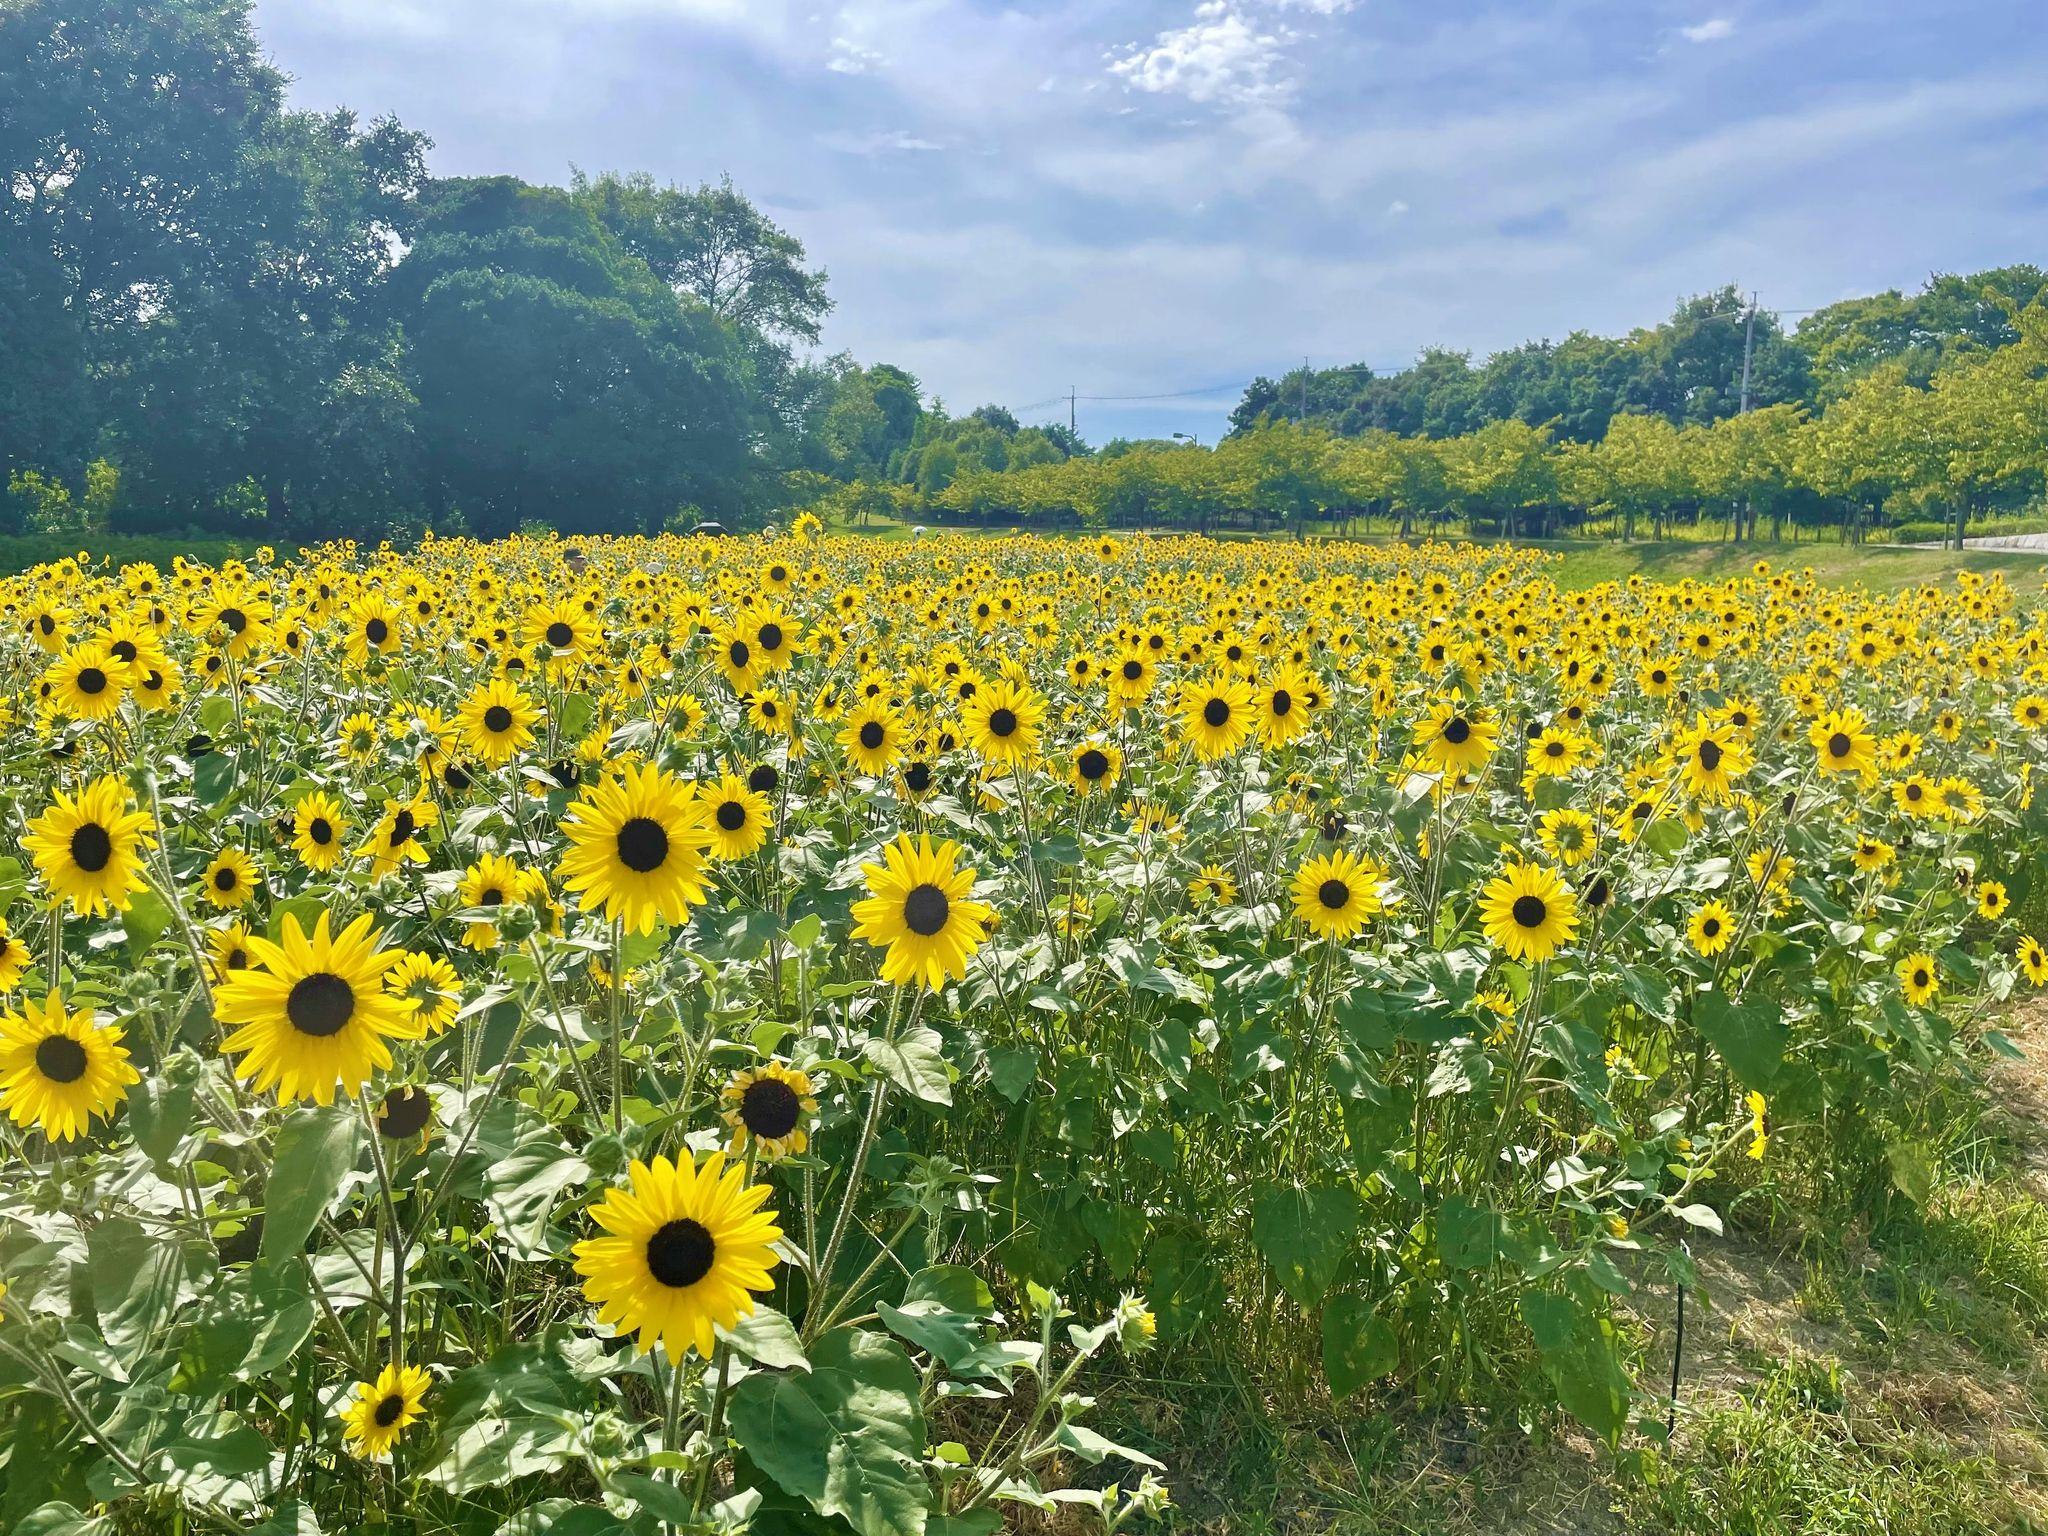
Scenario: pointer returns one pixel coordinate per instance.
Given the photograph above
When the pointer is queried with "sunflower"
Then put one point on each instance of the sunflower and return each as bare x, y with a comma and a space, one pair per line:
317, 830
229, 950
563, 629
1871, 853
921, 906
428, 988
1529, 912
375, 628
89, 848
1334, 893
496, 720
1844, 742
356, 739
872, 737
1568, 836
15, 958
2033, 959
87, 681
1992, 902
1217, 716
1712, 928
1213, 885
1455, 737
1284, 707
399, 836
58, 1070
685, 1249
1002, 722
378, 1411
313, 1011
1710, 759
739, 817
492, 881
766, 1107
230, 881
637, 846
1093, 767
406, 1113
1556, 752
1919, 977
770, 634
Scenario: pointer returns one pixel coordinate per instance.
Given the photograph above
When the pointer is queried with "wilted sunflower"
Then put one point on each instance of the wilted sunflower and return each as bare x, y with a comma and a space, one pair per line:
921, 906
685, 1249
1454, 736
1002, 722
766, 1106
58, 1070
89, 848
1529, 912
378, 1411
637, 846
313, 1012
317, 830
496, 721
739, 817
230, 881
1335, 893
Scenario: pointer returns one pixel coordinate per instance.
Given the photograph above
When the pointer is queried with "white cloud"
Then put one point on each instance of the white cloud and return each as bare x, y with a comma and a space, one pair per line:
1396, 208
893, 141
1219, 58
1712, 30
850, 58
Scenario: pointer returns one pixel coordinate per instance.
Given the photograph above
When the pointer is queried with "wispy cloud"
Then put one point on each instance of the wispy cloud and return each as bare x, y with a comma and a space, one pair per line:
1712, 30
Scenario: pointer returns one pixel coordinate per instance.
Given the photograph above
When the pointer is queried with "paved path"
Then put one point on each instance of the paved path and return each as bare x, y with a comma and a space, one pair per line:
2022, 541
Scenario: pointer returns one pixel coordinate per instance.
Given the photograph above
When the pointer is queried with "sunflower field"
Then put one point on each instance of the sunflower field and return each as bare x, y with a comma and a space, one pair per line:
648, 1035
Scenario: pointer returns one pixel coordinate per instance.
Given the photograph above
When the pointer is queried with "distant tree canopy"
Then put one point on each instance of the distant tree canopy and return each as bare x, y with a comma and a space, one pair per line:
221, 315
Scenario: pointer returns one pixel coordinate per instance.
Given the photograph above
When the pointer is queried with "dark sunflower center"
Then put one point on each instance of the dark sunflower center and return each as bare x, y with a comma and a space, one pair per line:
770, 637
680, 1253
871, 734
740, 653
1002, 722
731, 815
224, 879
918, 777
1839, 744
91, 847
1554, 748
1919, 978
1334, 894
377, 631
1530, 911
1710, 755
925, 910
643, 844
769, 1108
763, 779
60, 1058
389, 1410
490, 897
559, 635
404, 1113
1283, 701
1457, 730
1711, 927
92, 680
234, 620
497, 719
401, 828
1133, 670
1216, 712
1092, 764
320, 830
320, 1004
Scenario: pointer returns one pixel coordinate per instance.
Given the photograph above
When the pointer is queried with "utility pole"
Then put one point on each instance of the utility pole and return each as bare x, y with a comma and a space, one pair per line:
1076, 431
1301, 416
1748, 347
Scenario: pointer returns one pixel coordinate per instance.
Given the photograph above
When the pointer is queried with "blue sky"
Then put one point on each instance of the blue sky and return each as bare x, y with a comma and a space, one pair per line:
1146, 197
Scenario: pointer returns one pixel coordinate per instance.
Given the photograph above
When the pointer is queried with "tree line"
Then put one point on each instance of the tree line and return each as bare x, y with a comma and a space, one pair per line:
222, 315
